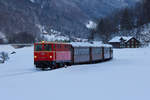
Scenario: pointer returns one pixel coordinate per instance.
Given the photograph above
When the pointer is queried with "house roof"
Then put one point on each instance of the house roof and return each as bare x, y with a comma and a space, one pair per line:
117, 38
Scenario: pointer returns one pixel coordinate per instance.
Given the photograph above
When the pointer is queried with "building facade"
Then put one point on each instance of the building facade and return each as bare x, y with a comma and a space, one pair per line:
125, 42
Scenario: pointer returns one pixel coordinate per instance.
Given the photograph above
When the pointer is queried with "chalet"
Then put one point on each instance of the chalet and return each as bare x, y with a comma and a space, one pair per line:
125, 42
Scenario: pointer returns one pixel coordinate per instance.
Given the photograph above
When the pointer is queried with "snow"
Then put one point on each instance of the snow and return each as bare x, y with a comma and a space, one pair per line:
141, 33
88, 44
127, 38
6, 48
126, 77
76, 39
3, 37
91, 25
32, 1
117, 38
55, 37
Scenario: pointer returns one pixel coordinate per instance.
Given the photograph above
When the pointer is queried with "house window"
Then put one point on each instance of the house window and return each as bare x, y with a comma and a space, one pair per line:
122, 45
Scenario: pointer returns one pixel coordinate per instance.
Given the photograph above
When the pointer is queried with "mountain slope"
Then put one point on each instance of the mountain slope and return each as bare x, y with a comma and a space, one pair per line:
67, 16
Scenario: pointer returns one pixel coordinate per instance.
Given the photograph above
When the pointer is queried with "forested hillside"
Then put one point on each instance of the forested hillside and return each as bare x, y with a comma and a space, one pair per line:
132, 21
31, 17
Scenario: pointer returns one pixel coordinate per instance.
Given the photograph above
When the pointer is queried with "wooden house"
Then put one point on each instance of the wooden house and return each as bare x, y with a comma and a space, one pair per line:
125, 42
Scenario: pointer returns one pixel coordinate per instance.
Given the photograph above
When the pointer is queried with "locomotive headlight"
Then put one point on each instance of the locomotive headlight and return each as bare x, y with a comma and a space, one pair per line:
50, 56
35, 56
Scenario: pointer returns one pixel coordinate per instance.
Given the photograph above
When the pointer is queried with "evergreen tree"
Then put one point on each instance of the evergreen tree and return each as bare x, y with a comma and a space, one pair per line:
92, 34
146, 11
104, 29
126, 20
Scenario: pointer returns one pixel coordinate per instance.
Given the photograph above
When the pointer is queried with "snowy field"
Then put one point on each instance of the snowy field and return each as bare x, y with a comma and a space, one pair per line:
126, 77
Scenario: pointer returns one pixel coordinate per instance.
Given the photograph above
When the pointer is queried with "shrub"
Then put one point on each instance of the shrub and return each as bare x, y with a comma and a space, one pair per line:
3, 57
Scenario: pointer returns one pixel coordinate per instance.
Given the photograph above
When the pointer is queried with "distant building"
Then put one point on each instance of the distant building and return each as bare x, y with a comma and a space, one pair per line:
3, 38
125, 42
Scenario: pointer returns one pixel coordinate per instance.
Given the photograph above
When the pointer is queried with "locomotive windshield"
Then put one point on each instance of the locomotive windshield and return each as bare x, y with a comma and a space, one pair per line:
43, 47
47, 47
38, 47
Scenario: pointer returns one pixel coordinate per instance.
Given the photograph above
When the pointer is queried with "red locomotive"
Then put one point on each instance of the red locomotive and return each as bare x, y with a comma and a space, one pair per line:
55, 55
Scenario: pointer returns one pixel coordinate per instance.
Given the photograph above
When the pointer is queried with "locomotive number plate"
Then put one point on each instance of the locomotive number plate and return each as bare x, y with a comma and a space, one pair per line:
42, 53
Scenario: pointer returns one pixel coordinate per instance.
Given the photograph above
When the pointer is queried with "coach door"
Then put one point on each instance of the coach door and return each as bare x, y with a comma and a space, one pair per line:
72, 54
103, 53
90, 54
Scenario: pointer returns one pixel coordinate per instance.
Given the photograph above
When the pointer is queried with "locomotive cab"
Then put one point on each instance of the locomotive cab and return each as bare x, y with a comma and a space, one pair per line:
51, 55
44, 55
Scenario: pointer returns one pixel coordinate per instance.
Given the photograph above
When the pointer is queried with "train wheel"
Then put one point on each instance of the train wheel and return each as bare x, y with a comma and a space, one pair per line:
57, 66
68, 64
43, 69
61, 65
52, 67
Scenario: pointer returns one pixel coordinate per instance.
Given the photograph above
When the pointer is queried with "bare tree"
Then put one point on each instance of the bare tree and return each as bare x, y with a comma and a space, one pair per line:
4, 57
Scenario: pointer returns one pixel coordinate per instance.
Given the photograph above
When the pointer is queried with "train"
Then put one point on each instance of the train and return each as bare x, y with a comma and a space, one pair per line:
53, 55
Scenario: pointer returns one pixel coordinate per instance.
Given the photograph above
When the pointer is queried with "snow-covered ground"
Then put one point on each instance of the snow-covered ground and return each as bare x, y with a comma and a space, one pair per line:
126, 77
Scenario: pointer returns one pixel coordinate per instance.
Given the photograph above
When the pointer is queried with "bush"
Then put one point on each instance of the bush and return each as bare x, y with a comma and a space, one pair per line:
3, 57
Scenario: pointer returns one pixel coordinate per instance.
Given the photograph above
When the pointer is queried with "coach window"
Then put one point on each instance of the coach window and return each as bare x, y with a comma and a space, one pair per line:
66, 46
76, 51
59, 46
48, 47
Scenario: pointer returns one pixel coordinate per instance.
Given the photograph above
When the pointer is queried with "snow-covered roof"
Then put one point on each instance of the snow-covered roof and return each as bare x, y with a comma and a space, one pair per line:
117, 38
127, 38
55, 37
88, 44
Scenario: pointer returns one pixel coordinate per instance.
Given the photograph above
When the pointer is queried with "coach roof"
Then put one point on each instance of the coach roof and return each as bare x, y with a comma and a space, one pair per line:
89, 44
